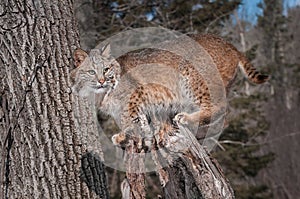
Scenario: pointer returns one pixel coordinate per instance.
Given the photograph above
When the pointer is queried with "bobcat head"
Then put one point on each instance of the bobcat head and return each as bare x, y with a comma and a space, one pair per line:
97, 72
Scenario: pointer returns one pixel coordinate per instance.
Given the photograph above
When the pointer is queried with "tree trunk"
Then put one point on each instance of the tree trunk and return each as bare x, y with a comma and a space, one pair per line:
44, 152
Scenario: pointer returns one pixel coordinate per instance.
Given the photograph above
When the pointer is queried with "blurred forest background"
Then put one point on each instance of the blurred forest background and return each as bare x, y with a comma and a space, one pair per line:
259, 151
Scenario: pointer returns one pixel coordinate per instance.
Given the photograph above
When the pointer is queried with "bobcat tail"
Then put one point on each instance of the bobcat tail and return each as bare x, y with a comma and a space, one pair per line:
251, 73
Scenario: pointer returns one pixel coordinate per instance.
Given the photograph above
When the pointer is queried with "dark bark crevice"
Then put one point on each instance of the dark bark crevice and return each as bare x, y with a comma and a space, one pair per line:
93, 174
9, 140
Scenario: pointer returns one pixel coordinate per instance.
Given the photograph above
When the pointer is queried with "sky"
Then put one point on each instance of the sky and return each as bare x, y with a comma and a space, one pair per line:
249, 9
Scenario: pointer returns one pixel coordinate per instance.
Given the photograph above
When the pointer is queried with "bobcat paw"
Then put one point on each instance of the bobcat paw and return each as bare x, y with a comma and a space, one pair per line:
181, 118
119, 139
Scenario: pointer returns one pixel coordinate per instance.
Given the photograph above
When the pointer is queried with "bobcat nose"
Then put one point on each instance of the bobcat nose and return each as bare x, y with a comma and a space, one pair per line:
101, 81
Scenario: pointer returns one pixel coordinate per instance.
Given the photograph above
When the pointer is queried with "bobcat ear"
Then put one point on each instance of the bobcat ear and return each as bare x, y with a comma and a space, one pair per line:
105, 51
79, 56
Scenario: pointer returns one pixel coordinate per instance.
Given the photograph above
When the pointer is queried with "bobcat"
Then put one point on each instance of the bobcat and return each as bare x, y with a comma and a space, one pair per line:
99, 72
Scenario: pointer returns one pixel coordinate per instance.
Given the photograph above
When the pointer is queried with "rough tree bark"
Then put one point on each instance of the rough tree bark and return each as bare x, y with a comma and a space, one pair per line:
44, 152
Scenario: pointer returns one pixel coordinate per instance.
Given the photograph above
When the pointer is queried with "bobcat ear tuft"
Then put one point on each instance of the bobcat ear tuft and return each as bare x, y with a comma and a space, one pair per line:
79, 56
105, 51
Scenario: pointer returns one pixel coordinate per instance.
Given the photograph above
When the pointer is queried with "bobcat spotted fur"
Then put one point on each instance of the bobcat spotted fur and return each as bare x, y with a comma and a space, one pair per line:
99, 72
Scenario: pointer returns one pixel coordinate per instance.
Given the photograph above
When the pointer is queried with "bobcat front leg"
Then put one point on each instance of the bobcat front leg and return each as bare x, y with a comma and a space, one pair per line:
202, 117
120, 139
195, 118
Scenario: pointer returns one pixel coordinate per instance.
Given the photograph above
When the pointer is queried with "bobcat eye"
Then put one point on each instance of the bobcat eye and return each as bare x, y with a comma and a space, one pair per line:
92, 72
105, 70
